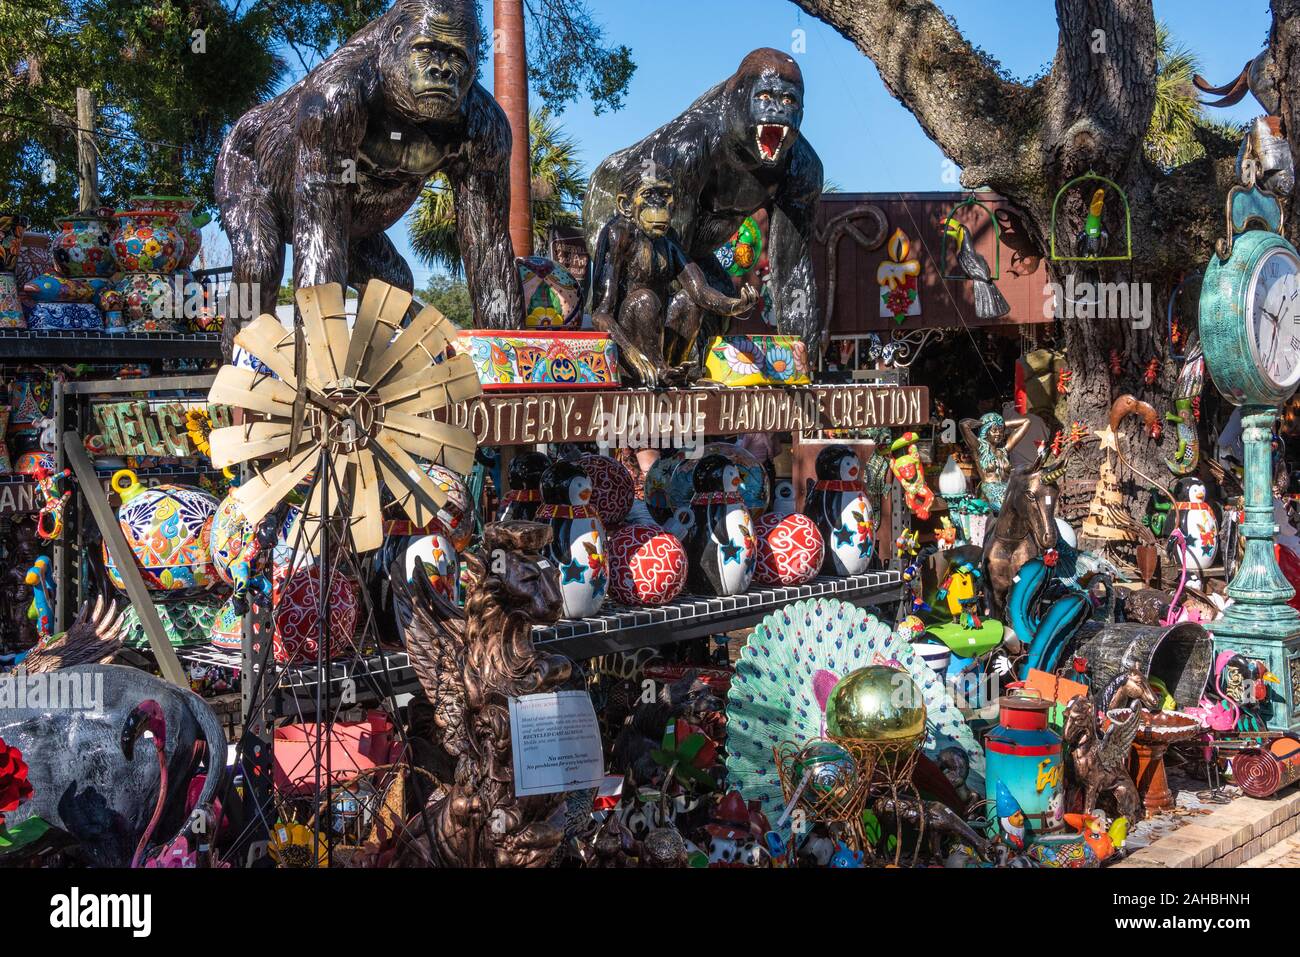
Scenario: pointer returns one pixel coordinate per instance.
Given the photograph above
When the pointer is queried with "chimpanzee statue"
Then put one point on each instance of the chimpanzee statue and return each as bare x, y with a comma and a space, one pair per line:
735, 150
341, 155
637, 261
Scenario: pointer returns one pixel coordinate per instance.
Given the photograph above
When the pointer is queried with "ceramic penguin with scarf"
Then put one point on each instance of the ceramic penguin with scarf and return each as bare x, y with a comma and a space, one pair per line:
577, 538
720, 548
524, 476
1199, 524
839, 505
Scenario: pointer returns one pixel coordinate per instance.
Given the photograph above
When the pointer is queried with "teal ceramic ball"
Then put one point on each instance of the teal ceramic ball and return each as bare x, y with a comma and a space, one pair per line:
876, 703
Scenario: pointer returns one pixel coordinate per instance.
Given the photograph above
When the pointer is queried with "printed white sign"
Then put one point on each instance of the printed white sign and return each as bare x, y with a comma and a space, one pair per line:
556, 743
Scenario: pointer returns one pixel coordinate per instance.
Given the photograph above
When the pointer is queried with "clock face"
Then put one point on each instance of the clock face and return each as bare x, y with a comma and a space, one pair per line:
1273, 317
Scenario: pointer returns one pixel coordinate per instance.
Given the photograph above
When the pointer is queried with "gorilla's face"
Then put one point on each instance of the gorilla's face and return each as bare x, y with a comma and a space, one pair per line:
430, 63
775, 114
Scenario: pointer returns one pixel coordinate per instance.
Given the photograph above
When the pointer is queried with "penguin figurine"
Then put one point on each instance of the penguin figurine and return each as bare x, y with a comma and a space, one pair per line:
839, 505
783, 498
1196, 518
721, 548
525, 480
577, 538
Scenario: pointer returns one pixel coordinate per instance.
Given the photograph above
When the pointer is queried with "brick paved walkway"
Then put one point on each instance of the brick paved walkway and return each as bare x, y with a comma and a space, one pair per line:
1285, 853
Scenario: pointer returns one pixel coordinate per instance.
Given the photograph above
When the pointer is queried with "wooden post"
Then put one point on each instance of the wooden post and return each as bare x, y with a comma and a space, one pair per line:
510, 84
87, 169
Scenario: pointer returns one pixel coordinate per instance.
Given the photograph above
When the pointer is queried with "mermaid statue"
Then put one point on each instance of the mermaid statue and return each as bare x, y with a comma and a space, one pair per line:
991, 439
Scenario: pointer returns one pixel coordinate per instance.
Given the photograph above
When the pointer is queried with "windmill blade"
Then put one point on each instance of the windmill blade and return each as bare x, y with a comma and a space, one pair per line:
382, 309
325, 321
252, 390
252, 440
261, 493
269, 342
367, 519
429, 331
412, 473
438, 442
456, 375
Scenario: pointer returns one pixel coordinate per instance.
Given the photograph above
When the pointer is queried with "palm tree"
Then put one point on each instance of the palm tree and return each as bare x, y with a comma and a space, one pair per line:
557, 187
1178, 113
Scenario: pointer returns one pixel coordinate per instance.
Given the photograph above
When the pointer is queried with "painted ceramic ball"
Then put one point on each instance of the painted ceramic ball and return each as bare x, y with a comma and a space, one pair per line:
437, 558
755, 488
876, 703
230, 536
167, 529
457, 515
647, 565
296, 593
552, 297
655, 484
27, 463
612, 488
789, 549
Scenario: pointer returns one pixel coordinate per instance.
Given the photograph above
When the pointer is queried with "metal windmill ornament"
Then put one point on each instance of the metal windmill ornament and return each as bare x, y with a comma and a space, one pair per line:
355, 402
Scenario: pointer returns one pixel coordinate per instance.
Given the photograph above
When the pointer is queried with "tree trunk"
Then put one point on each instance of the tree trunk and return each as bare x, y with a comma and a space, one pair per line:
510, 83
1090, 113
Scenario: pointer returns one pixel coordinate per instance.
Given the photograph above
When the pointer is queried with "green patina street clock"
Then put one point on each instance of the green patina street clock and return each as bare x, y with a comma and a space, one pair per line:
1250, 333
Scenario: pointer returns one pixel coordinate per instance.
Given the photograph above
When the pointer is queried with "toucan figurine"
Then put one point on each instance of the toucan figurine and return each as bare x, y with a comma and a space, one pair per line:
1093, 238
989, 302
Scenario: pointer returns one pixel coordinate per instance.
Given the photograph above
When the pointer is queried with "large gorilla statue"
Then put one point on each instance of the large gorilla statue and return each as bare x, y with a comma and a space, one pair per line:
736, 149
341, 155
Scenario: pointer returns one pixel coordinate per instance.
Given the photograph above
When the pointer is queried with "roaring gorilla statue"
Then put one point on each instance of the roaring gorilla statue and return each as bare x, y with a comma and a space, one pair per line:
340, 156
736, 149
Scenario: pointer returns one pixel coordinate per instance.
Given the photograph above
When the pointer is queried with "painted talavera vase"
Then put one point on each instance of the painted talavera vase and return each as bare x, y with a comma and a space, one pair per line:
541, 360
147, 241
188, 225
11, 240
758, 360
147, 303
167, 529
11, 308
83, 247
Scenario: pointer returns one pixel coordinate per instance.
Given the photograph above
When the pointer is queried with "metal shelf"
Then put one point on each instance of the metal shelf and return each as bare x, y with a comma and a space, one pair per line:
693, 616
98, 346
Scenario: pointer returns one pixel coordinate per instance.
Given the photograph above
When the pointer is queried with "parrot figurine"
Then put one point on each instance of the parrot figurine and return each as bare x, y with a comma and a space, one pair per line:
989, 302
1093, 238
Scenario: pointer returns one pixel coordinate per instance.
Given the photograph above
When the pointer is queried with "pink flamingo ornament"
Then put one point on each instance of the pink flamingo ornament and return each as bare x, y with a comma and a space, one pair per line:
148, 716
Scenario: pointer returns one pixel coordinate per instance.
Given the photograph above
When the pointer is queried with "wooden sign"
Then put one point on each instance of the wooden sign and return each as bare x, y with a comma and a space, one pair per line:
641, 418
20, 498
142, 427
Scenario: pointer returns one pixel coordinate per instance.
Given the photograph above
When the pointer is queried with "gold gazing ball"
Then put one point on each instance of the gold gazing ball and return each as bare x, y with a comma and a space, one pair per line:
876, 703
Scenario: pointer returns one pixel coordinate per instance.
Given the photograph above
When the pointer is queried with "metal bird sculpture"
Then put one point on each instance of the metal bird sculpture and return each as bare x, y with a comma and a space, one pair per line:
989, 302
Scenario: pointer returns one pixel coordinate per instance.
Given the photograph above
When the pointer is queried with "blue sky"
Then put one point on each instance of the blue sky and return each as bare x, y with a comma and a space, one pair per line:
866, 139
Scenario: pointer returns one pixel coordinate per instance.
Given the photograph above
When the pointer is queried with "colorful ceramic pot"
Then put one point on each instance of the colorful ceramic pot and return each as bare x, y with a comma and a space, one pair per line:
11, 241
83, 247
167, 529
552, 297
789, 549
66, 317
758, 360
29, 400
11, 308
35, 258
533, 360
755, 487
647, 565
29, 463
146, 299
1024, 755
51, 287
456, 517
147, 241
187, 224
612, 488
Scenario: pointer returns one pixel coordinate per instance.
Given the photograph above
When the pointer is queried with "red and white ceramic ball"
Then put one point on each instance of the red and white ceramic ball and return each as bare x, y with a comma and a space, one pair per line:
647, 566
612, 488
789, 549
